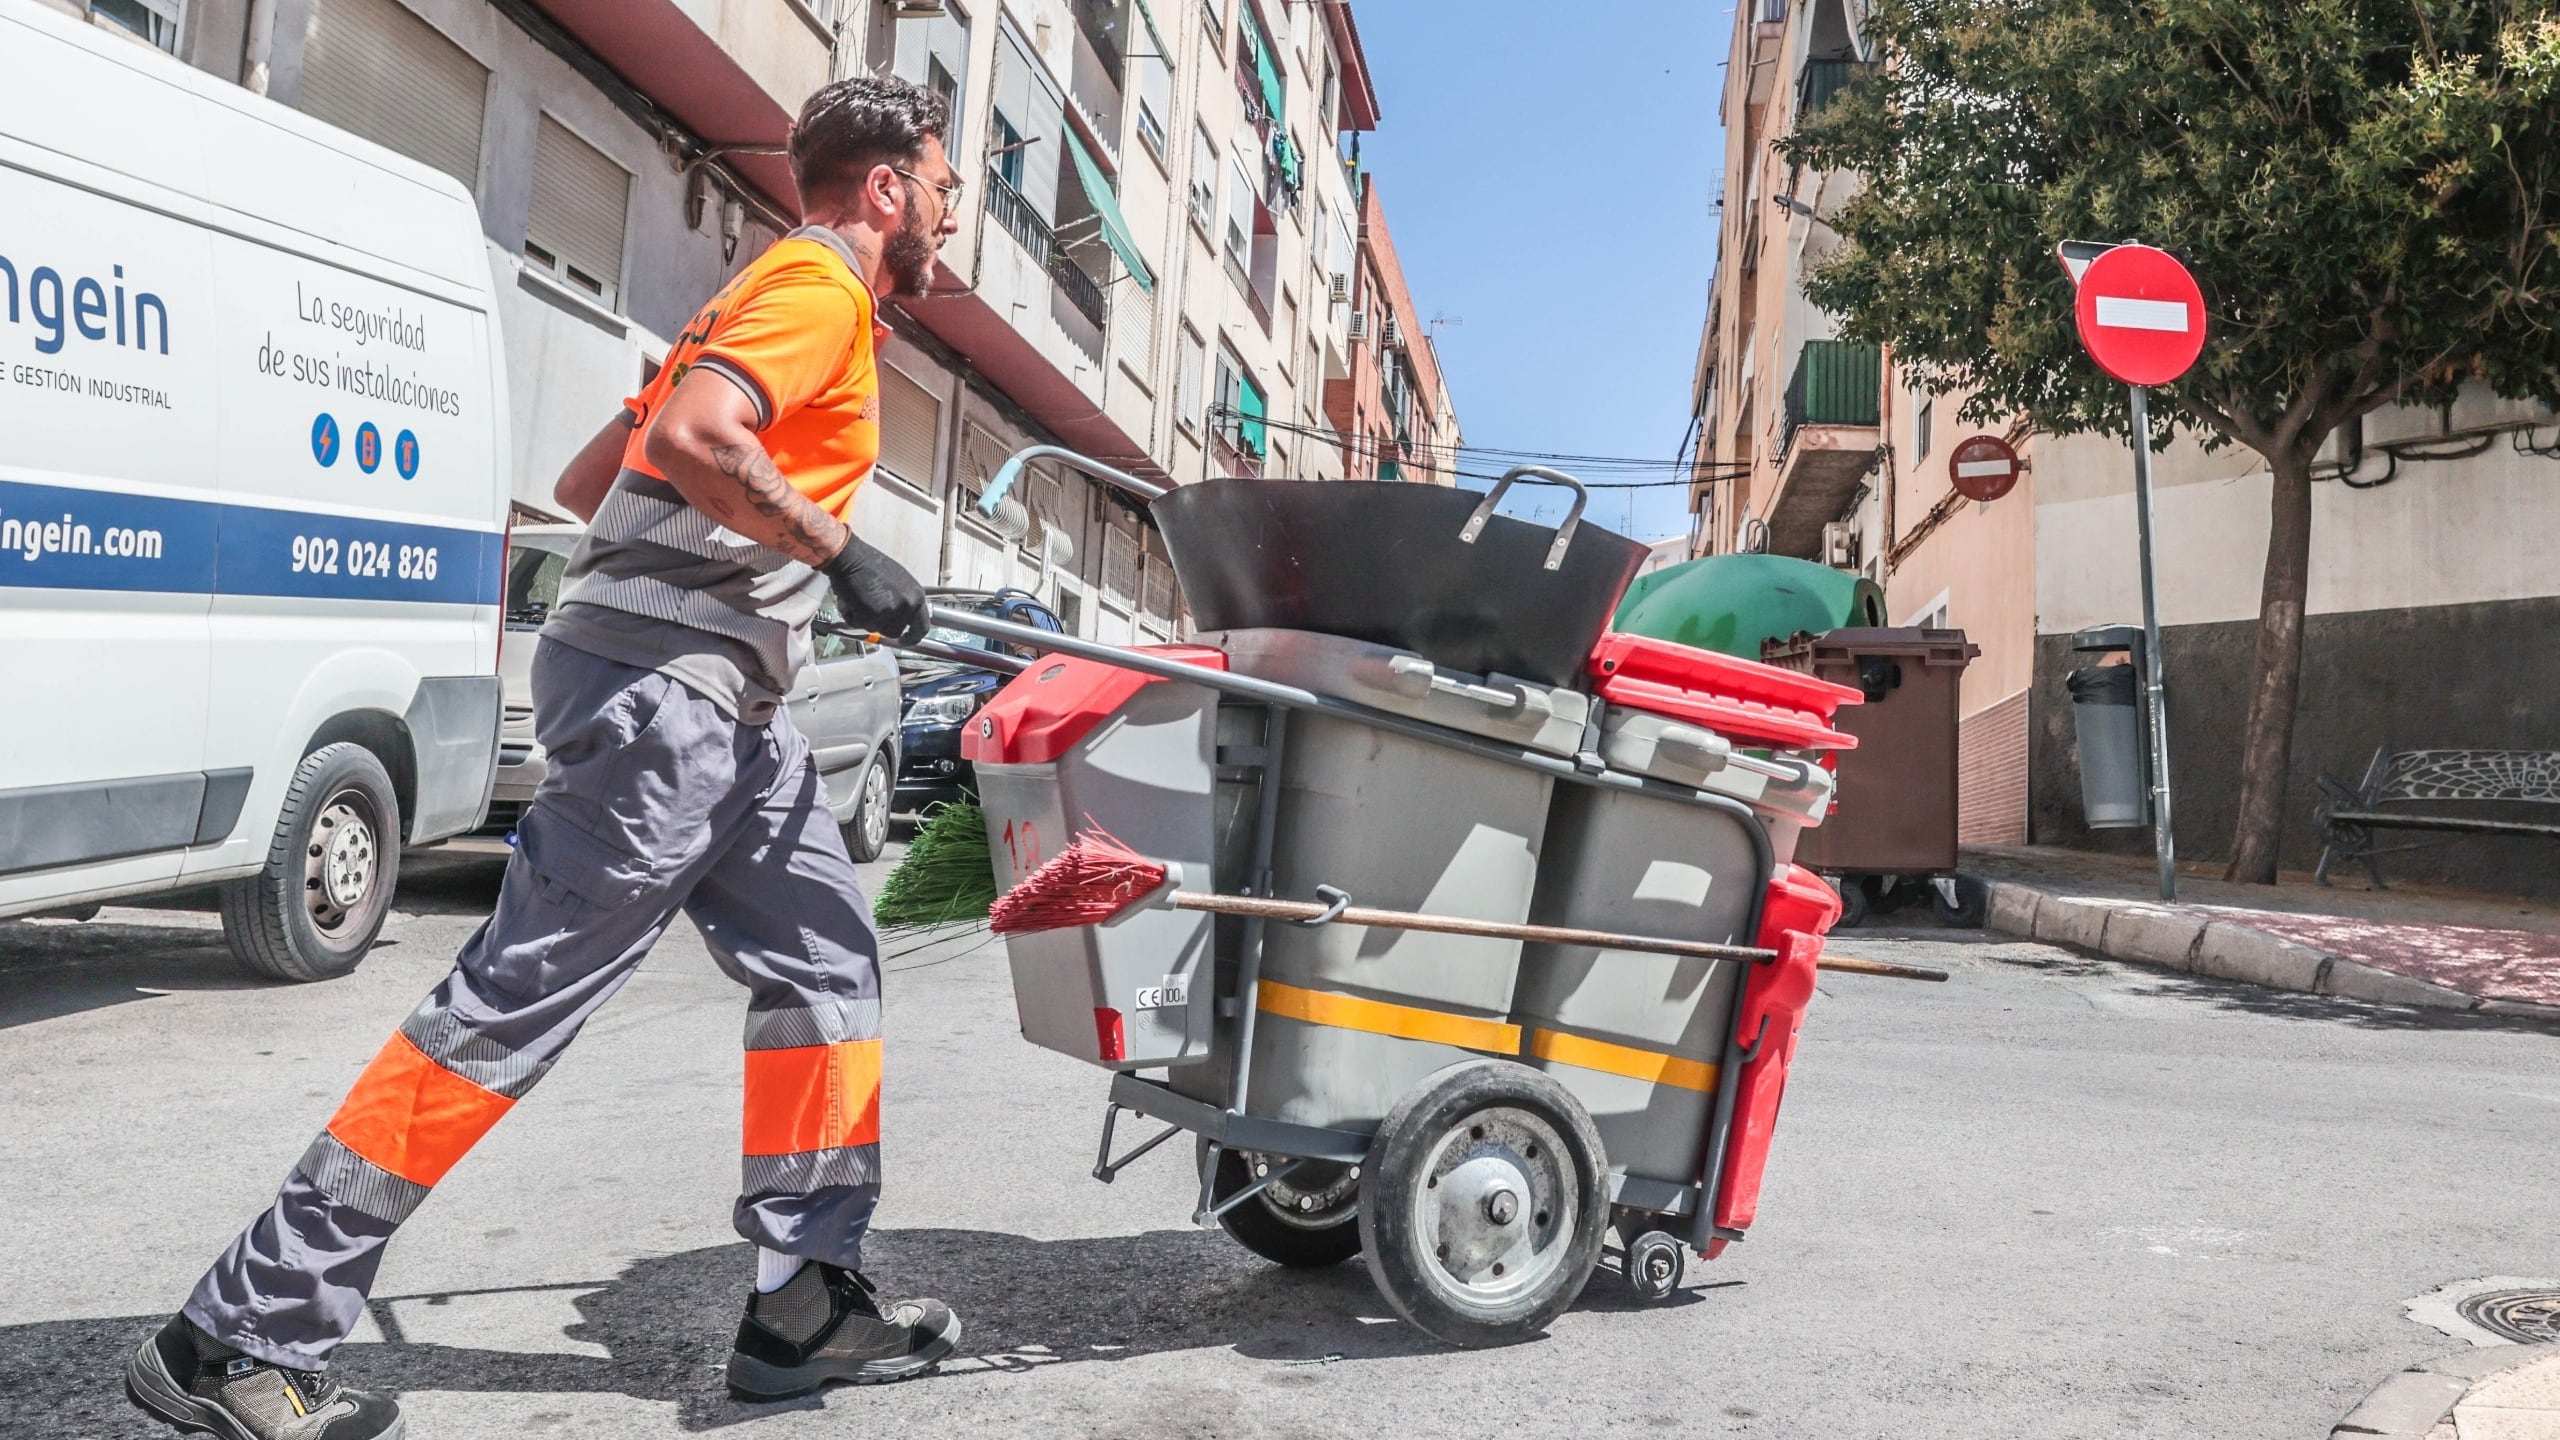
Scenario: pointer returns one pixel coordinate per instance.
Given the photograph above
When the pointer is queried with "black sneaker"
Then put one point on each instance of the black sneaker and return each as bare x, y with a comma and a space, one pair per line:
826, 1323
189, 1379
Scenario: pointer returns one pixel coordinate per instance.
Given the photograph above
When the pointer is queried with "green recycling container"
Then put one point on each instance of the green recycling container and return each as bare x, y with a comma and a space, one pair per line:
1731, 603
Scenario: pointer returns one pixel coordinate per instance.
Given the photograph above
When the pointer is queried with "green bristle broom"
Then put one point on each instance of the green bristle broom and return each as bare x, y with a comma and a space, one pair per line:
947, 875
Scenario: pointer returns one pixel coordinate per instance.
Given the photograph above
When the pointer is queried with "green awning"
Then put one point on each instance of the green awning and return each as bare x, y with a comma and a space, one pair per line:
1249, 400
1273, 97
1115, 230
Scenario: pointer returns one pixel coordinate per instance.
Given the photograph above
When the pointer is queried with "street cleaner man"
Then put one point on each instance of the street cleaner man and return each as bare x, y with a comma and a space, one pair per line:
677, 781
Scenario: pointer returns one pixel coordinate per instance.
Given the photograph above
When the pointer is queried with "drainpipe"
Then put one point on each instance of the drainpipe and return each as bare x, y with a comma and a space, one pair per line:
258, 47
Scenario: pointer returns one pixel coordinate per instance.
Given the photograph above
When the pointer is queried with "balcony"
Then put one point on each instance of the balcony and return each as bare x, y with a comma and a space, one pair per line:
1822, 83
1015, 214
1827, 440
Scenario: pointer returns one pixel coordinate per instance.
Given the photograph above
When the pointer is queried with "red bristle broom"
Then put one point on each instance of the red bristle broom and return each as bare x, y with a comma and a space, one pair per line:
1097, 878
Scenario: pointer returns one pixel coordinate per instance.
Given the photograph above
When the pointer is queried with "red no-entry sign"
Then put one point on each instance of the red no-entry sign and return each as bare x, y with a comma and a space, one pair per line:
1983, 468
2141, 315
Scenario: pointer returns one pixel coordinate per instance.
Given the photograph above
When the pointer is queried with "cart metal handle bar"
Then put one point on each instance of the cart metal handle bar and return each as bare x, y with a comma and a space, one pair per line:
1333, 905
997, 661
1011, 470
1564, 532
1291, 697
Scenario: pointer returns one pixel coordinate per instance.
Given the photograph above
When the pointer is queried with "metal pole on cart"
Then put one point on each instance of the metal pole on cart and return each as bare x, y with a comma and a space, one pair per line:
2142, 318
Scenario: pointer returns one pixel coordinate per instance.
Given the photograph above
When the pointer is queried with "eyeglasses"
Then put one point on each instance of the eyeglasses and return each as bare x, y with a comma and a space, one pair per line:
950, 193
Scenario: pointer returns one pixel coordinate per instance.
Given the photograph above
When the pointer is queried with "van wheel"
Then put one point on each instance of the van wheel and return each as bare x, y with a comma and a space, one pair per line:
316, 907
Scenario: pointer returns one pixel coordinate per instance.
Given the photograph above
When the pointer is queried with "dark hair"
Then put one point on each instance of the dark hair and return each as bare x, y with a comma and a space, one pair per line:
851, 125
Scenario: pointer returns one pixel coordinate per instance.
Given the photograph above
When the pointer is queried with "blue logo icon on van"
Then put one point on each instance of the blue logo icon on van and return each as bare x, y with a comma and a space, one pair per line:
324, 440
368, 448
404, 454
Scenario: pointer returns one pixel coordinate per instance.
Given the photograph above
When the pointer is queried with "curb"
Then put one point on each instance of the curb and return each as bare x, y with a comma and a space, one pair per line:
2410, 1404
2173, 939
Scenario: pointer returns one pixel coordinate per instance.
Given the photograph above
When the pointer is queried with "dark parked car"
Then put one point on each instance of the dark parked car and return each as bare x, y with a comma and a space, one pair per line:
938, 697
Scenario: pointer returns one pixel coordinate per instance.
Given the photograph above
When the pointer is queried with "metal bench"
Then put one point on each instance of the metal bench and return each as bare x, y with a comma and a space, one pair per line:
2348, 818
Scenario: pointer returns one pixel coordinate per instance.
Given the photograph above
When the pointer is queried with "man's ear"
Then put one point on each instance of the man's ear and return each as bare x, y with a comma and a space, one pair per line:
883, 190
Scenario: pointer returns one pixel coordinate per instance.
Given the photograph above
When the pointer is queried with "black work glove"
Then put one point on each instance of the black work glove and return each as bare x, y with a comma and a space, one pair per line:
875, 592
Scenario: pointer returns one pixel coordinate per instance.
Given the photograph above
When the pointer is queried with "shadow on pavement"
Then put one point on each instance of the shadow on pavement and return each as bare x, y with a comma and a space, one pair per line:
666, 1324
50, 969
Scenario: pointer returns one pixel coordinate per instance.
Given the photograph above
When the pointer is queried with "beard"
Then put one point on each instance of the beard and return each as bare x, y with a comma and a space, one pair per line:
908, 255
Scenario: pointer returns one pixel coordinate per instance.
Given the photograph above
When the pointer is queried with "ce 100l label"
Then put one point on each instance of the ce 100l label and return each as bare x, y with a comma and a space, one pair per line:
1173, 993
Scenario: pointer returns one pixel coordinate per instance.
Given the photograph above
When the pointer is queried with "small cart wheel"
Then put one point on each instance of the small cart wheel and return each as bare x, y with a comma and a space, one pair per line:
1654, 1265
1484, 1203
1852, 890
1307, 1221
1972, 904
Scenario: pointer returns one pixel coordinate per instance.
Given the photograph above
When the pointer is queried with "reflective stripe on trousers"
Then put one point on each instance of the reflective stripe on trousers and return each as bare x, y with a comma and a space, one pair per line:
654, 802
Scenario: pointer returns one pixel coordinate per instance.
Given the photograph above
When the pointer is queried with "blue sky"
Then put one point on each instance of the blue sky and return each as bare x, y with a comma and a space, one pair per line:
1549, 171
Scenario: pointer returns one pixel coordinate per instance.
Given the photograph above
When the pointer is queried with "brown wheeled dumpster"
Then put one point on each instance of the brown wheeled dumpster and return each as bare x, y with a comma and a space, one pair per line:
1894, 811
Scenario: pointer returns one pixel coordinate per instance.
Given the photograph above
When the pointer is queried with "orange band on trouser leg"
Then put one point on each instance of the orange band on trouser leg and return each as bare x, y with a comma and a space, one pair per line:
413, 1117
812, 1097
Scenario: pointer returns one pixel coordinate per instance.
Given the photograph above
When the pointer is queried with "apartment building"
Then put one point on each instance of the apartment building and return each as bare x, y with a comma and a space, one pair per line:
1164, 268
1813, 446
1159, 264
2431, 592
1392, 410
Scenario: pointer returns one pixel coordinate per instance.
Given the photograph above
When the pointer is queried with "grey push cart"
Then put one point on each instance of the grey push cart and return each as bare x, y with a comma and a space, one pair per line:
1474, 1115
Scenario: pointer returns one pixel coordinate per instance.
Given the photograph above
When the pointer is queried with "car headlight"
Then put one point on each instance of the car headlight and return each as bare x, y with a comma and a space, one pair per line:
944, 709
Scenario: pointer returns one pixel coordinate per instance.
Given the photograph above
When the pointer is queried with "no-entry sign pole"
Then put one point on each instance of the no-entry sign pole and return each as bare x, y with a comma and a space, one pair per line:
2141, 315
2164, 839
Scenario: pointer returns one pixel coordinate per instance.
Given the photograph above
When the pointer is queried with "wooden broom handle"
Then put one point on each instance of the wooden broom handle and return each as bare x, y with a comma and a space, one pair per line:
1256, 906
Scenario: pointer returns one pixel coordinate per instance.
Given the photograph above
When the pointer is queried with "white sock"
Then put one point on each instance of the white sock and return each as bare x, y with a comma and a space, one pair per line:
775, 1269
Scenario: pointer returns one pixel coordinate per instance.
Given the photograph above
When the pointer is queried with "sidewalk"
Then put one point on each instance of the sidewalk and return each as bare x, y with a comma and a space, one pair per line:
2413, 945
2506, 1392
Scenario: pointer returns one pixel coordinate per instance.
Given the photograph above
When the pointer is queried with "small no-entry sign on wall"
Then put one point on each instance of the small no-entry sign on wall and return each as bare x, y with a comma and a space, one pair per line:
1984, 467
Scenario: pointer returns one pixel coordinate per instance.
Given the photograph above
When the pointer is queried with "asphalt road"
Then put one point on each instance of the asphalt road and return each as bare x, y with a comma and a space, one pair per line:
2054, 1197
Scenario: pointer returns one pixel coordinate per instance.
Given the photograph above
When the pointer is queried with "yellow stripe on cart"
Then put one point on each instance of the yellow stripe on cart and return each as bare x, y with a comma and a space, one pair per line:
1586, 1053
1378, 1017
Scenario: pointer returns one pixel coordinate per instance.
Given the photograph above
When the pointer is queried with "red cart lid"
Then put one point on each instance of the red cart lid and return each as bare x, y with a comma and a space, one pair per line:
1041, 713
1740, 698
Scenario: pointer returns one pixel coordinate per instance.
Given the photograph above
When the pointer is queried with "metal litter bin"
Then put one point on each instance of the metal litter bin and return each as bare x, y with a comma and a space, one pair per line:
2106, 726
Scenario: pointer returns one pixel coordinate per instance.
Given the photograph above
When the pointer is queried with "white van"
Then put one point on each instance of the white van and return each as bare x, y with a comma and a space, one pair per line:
253, 500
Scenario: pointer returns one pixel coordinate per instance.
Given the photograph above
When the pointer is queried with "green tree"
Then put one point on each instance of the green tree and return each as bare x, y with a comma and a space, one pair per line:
2366, 190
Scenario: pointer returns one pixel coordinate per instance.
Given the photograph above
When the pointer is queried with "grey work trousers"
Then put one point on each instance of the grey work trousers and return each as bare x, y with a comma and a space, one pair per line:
654, 801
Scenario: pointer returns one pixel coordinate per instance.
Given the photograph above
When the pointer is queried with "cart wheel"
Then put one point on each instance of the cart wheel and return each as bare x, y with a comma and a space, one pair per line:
1654, 1265
1852, 890
1484, 1205
1972, 907
1306, 1222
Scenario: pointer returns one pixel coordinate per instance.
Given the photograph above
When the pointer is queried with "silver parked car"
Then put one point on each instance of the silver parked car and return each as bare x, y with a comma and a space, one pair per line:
846, 704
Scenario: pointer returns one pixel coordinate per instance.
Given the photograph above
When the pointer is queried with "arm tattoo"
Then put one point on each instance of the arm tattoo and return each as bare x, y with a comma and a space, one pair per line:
772, 511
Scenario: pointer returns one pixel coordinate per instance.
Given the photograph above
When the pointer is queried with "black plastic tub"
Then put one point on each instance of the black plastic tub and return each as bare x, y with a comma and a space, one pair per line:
1390, 563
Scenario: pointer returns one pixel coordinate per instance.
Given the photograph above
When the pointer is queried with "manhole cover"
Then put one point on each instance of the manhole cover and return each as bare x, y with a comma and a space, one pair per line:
2527, 1317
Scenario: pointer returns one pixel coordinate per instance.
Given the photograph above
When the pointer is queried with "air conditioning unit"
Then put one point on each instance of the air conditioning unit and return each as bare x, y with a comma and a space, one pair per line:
1394, 331
1359, 326
1341, 292
1840, 545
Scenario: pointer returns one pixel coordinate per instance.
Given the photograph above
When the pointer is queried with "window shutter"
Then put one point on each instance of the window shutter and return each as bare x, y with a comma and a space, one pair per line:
1133, 332
910, 419
375, 68
1120, 566
581, 203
